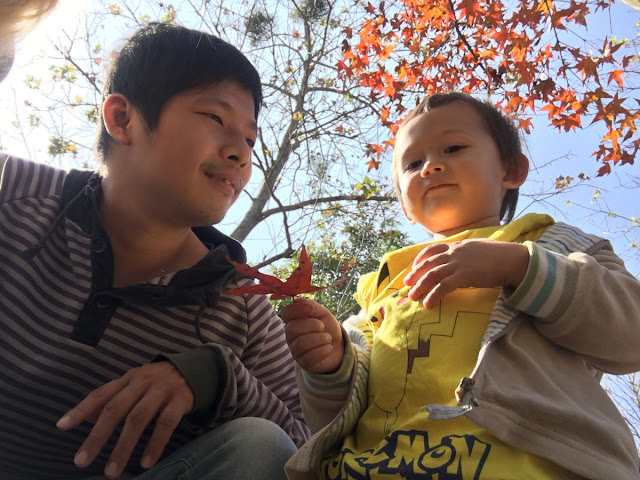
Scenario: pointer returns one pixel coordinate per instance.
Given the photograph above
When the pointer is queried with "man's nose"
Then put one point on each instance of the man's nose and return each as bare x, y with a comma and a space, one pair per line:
236, 148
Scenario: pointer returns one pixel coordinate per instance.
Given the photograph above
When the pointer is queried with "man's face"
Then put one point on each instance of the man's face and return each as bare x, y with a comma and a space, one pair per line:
195, 163
449, 170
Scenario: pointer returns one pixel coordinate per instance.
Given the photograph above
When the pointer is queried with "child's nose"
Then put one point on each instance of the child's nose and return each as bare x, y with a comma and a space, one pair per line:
430, 167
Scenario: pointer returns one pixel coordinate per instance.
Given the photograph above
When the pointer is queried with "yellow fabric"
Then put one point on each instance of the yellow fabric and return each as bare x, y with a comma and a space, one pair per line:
418, 358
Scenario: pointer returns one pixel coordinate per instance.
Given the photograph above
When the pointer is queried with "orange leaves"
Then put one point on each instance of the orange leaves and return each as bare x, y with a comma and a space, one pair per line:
385, 114
298, 282
509, 50
344, 70
525, 124
588, 68
617, 76
373, 164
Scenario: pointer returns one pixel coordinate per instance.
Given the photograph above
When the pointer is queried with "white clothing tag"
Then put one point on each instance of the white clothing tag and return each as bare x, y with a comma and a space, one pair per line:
443, 412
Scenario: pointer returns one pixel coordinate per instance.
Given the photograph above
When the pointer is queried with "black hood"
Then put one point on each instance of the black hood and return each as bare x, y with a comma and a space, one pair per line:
199, 285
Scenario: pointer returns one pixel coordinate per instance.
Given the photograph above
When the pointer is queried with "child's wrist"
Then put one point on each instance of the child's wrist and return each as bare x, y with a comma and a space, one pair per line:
517, 266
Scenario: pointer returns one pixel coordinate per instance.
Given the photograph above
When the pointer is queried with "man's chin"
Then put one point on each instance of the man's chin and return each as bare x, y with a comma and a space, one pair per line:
210, 219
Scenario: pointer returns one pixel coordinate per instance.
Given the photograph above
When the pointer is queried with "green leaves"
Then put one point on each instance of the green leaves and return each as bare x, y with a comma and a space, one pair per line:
60, 146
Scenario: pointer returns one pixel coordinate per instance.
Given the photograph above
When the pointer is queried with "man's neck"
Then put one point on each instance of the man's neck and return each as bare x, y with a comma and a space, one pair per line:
144, 248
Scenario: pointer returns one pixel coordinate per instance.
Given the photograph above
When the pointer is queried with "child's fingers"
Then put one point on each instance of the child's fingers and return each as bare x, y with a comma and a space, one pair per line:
427, 282
295, 311
315, 360
436, 294
423, 265
430, 252
302, 345
302, 326
303, 307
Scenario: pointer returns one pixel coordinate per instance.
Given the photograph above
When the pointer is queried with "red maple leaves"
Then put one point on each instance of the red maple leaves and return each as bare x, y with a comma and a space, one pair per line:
511, 52
299, 281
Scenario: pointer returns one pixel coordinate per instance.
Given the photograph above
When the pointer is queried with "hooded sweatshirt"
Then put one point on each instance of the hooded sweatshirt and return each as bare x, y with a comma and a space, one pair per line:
65, 331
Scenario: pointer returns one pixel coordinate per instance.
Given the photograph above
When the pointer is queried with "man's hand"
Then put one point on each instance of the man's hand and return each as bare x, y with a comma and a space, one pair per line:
314, 336
155, 389
444, 267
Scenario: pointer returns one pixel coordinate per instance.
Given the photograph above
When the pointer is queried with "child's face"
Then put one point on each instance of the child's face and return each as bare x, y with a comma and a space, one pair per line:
449, 171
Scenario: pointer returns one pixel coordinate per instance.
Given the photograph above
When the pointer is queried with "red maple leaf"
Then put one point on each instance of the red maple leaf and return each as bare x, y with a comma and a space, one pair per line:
373, 164
298, 282
617, 76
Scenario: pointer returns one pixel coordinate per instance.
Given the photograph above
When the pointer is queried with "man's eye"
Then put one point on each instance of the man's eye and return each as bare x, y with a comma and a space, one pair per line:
413, 165
251, 143
453, 148
214, 117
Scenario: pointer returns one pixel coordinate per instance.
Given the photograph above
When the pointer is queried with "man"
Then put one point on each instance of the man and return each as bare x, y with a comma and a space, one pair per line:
111, 295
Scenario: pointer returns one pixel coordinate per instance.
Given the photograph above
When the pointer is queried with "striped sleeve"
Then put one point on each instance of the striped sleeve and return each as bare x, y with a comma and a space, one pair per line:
548, 286
356, 332
584, 300
324, 396
262, 383
26, 179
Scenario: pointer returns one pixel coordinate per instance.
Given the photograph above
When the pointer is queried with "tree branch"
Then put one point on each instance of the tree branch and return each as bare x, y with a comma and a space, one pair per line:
90, 78
286, 254
335, 198
462, 37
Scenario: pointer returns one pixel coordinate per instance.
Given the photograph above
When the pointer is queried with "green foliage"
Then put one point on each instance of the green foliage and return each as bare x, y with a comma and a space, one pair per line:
258, 26
92, 115
313, 10
32, 82
344, 258
66, 72
115, 9
60, 146
368, 187
170, 14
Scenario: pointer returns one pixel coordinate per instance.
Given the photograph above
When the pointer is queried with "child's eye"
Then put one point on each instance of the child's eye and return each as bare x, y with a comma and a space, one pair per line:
453, 148
250, 142
413, 165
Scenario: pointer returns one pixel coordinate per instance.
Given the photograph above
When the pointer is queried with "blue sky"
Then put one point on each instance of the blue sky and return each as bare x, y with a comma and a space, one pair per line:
551, 153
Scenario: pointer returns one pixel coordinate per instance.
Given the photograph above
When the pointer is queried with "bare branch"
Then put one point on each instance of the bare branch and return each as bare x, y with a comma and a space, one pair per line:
335, 198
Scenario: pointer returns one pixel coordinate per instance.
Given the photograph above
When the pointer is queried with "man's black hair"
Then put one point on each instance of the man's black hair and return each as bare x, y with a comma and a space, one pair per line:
161, 60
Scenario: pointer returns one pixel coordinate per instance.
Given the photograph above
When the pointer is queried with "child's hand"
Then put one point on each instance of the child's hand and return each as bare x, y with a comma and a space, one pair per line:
444, 267
314, 336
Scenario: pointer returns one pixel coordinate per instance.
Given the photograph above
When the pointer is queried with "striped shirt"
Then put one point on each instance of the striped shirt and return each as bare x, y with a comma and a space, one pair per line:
64, 331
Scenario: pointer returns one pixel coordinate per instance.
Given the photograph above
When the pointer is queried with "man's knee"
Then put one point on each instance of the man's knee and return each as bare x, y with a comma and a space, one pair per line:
241, 448
256, 435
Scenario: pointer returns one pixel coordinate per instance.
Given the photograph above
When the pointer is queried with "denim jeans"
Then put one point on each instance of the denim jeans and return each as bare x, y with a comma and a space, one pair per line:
244, 448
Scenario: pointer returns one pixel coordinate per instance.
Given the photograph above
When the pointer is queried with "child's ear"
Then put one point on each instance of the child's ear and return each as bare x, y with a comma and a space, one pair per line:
117, 114
516, 174
406, 214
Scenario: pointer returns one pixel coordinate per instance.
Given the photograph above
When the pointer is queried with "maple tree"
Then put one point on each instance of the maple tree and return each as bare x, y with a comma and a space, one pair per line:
298, 282
527, 56
312, 128
342, 250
